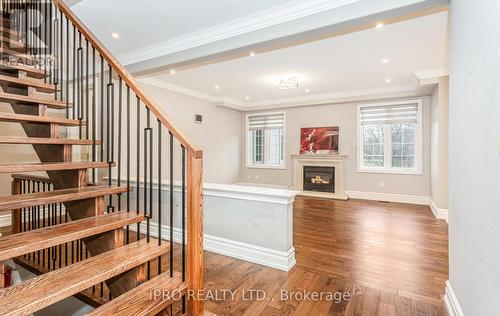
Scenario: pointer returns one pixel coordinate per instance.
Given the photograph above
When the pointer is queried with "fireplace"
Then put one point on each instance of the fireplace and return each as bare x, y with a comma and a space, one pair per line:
319, 179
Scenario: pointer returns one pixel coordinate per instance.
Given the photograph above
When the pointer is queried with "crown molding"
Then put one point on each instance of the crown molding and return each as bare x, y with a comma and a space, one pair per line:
309, 100
219, 101
335, 97
276, 15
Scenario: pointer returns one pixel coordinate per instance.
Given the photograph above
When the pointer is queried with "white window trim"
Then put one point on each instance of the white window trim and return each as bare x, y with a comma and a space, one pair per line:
265, 165
387, 148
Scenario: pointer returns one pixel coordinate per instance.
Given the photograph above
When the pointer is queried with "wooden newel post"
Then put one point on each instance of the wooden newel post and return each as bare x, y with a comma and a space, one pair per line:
16, 223
195, 267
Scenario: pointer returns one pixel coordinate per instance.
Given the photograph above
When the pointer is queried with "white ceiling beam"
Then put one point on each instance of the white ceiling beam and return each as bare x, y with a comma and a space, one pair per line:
219, 44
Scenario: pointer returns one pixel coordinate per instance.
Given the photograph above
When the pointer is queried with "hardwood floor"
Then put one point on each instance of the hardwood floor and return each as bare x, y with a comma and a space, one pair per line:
391, 259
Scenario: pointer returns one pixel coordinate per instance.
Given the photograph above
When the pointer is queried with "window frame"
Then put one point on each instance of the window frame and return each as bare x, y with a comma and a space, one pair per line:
417, 170
248, 143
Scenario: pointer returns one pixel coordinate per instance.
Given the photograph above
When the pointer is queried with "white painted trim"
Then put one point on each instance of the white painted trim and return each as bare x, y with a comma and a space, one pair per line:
334, 97
431, 76
219, 101
308, 100
451, 302
281, 260
439, 213
286, 12
388, 197
230, 191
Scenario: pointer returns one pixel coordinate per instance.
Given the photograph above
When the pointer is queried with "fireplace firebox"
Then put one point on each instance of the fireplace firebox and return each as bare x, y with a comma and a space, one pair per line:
319, 179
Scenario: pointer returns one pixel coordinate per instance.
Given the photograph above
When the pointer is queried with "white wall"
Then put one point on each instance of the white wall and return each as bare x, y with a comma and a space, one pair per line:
218, 136
474, 219
439, 144
344, 116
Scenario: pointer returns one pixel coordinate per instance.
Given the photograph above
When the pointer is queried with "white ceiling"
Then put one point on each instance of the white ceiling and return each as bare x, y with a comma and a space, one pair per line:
345, 65
147, 22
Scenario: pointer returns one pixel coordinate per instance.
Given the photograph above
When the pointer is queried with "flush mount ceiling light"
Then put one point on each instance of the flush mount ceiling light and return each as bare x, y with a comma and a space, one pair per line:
379, 25
216, 87
385, 61
172, 71
289, 82
115, 35
387, 80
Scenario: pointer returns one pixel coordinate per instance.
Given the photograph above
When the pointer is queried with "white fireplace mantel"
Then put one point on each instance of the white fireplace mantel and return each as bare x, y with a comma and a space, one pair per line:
337, 161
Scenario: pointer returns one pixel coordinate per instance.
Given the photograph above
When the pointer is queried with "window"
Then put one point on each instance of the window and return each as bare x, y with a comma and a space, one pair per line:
265, 143
389, 137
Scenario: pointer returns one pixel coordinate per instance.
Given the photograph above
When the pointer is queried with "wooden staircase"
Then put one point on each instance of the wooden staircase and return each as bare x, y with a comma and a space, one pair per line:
96, 135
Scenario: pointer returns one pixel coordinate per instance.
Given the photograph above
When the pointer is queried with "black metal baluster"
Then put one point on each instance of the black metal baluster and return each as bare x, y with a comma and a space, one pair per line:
78, 84
119, 164
159, 192
128, 160
38, 224
171, 149
74, 73
110, 132
86, 89
102, 109
183, 222
67, 70
138, 169
24, 209
94, 156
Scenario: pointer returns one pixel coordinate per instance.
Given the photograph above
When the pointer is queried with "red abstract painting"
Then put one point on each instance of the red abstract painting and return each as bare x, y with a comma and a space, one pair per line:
319, 140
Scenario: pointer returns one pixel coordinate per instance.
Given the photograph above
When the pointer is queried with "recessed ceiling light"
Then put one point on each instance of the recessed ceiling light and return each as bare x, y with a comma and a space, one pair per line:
115, 35
290, 82
172, 71
247, 98
379, 25
385, 61
307, 90
252, 54
387, 80
216, 87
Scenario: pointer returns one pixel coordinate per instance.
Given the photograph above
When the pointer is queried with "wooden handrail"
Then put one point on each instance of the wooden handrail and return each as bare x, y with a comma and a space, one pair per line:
126, 77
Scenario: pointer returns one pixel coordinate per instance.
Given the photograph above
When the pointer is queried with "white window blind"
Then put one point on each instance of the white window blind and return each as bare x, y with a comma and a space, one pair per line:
389, 114
266, 121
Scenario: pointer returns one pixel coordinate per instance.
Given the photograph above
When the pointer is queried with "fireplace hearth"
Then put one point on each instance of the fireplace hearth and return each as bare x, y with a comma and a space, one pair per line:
319, 179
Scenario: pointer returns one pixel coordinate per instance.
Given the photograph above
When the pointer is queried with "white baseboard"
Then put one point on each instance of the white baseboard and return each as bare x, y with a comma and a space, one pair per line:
281, 260
439, 213
387, 197
450, 301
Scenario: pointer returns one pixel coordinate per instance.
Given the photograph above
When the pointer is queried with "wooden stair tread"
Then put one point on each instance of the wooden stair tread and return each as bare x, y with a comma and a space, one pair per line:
31, 71
46, 289
19, 244
45, 141
58, 196
24, 118
16, 55
138, 302
52, 166
11, 42
38, 84
24, 99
